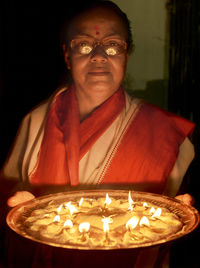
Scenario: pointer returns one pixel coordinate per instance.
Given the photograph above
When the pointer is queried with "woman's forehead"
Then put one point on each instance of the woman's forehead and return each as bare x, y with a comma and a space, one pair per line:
98, 22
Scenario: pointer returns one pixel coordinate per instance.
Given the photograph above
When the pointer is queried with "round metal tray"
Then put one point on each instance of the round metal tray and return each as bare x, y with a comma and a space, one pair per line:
188, 215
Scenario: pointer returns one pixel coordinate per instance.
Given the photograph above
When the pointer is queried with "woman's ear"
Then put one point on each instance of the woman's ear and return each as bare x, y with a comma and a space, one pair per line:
66, 56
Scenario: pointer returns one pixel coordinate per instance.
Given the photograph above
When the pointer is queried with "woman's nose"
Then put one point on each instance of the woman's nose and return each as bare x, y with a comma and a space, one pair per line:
98, 54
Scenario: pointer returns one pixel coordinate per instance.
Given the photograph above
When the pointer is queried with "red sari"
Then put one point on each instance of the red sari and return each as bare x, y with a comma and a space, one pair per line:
146, 154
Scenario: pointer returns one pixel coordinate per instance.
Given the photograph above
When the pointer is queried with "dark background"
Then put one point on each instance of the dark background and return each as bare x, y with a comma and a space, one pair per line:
31, 59
32, 66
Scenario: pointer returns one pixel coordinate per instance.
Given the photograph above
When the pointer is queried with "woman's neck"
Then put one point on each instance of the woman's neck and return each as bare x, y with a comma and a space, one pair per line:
89, 102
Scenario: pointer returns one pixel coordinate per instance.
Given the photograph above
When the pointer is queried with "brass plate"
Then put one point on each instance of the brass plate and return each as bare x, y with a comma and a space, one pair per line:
187, 214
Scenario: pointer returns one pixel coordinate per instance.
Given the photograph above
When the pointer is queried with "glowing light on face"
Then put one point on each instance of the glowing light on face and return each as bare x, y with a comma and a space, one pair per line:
86, 50
85, 46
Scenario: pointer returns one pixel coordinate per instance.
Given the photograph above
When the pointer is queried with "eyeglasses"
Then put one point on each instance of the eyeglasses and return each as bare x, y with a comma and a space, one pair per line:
86, 46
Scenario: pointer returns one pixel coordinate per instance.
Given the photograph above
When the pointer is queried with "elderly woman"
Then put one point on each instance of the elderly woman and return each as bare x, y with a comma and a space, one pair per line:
92, 131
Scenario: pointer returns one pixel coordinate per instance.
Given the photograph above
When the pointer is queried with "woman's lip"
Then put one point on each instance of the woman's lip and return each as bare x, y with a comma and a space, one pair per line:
98, 73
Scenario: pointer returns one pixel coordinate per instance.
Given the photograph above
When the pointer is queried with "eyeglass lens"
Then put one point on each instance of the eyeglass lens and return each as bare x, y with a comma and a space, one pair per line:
111, 47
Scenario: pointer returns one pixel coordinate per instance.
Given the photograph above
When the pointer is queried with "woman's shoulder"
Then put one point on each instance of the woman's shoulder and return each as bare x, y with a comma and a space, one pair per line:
156, 115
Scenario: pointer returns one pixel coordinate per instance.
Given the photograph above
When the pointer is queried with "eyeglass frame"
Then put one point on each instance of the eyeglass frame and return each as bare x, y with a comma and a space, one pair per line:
100, 43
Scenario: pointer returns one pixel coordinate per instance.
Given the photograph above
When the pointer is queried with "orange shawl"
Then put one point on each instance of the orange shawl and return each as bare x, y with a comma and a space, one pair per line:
148, 150
66, 140
144, 157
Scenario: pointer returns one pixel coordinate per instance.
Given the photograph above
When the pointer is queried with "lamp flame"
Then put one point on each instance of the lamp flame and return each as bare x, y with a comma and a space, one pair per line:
81, 201
157, 213
152, 210
145, 205
130, 201
84, 227
144, 221
132, 223
68, 223
59, 208
67, 204
108, 200
106, 222
56, 218
71, 208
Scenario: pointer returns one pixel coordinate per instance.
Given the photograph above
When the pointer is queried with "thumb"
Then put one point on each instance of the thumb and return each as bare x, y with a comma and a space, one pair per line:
186, 198
19, 197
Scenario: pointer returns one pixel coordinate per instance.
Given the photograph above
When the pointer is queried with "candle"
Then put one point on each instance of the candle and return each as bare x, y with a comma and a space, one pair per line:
102, 221
68, 223
152, 211
144, 221
72, 209
56, 218
106, 222
59, 208
132, 223
84, 229
107, 201
145, 205
130, 201
157, 213
80, 202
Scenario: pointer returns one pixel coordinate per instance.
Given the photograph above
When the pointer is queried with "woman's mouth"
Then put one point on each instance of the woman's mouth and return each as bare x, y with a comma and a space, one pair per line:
98, 73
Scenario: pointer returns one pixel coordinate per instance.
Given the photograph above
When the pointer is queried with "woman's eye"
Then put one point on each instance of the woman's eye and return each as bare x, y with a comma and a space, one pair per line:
113, 44
83, 44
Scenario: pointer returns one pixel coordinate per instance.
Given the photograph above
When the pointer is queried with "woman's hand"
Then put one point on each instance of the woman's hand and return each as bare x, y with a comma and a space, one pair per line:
186, 198
19, 197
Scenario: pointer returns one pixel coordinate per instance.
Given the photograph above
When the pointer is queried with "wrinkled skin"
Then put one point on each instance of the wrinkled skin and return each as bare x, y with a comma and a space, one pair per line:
96, 76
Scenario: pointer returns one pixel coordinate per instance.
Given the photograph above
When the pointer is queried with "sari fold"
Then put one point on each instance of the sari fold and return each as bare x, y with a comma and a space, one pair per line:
66, 140
148, 149
150, 132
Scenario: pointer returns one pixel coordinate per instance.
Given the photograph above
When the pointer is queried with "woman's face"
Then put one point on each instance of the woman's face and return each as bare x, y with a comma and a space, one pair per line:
97, 71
